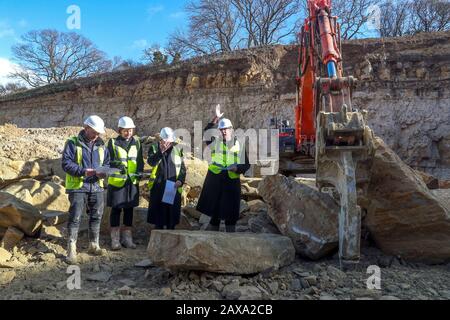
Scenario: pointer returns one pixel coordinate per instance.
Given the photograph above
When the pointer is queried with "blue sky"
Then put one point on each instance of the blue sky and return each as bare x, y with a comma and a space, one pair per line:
118, 27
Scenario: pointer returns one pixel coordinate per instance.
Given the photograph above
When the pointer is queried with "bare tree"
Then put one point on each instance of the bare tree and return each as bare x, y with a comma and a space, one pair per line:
118, 64
429, 16
268, 21
394, 18
352, 15
50, 56
155, 56
10, 88
213, 27
225, 25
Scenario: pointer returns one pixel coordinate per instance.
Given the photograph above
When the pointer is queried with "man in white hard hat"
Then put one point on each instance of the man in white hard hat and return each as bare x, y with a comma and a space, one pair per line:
167, 162
82, 155
123, 187
221, 193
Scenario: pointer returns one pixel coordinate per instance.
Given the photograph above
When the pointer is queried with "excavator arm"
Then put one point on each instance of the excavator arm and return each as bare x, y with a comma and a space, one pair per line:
328, 128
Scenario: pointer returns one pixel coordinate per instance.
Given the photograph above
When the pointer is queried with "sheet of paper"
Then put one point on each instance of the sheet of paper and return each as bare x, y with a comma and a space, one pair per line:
169, 193
107, 170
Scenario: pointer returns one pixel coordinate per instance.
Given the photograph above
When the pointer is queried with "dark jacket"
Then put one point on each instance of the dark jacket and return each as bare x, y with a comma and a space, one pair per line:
159, 213
128, 195
90, 160
221, 196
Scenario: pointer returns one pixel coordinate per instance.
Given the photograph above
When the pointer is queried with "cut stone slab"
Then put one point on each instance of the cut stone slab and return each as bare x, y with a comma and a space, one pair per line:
307, 216
238, 253
17, 213
12, 238
404, 217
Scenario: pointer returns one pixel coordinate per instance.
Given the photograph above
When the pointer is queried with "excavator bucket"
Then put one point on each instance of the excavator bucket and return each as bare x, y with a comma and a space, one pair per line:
344, 154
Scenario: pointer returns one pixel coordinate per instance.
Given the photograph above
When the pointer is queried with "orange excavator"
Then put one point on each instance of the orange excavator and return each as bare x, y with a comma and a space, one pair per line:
331, 136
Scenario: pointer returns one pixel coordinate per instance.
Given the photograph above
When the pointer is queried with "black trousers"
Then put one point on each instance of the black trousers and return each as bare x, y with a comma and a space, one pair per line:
114, 218
167, 219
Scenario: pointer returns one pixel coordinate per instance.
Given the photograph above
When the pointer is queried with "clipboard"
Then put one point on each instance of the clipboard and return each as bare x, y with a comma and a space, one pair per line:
170, 191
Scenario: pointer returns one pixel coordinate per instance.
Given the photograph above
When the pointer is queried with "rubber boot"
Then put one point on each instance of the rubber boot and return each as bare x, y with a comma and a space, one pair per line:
127, 238
211, 227
115, 239
94, 244
230, 229
72, 247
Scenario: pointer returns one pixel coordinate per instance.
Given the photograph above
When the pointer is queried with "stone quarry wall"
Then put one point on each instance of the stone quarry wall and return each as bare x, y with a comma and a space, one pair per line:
404, 86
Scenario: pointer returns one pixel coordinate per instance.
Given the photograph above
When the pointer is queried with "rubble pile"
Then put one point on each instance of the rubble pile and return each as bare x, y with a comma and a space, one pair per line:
285, 246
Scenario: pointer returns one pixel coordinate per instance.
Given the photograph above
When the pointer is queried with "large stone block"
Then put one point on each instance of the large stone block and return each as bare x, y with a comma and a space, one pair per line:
404, 217
307, 216
236, 253
17, 213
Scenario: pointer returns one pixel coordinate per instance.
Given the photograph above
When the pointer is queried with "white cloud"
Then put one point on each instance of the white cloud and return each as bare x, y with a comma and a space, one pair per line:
6, 30
177, 15
6, 67
152, 10
140, 44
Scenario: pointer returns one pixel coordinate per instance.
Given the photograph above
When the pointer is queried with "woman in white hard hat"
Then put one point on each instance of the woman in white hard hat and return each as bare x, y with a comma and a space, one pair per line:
168, 165
221, 194
123, 186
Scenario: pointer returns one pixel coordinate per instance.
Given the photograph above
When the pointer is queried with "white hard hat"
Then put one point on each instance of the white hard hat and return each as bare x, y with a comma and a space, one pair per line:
225, 124
96, 123
126, 123
167, 134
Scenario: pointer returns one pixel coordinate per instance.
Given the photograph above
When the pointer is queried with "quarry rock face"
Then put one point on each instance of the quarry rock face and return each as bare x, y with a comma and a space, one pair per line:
238, 253
17, 213
404, 217
307, 216
404, 84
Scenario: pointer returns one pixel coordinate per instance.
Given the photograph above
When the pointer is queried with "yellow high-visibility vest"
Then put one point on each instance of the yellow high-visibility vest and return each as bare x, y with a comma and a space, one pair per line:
177, 160
128, 160
76, 183
222, 157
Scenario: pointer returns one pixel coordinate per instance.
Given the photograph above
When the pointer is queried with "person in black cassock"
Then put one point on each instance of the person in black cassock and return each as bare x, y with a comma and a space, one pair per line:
168, 164
123, 187
221, 194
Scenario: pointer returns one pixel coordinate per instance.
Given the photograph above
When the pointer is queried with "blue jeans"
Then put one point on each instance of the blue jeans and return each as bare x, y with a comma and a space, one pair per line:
94, 205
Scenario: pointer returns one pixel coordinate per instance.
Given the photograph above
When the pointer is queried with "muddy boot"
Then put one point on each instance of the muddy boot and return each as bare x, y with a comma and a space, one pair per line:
94, 244
127, 238
212, 228
115, 239
72, 247
230, 229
